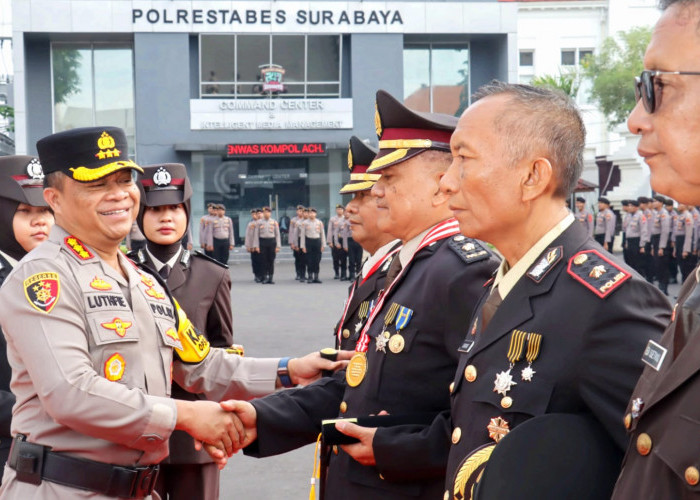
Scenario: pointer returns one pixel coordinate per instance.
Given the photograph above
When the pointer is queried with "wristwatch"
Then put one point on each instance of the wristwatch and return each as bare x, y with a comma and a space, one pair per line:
283, 372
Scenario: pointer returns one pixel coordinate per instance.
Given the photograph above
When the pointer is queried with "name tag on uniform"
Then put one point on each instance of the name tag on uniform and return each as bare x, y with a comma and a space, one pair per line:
654, 355
466, 346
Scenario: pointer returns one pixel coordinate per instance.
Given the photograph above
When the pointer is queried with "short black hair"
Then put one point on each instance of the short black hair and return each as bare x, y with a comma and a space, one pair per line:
55, 180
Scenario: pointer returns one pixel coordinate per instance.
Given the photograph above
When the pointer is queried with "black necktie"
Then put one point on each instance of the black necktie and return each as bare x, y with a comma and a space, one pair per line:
394, 270
164, 271
489, 308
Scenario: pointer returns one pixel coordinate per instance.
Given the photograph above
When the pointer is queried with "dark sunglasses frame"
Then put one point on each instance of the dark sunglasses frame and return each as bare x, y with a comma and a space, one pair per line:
644, 87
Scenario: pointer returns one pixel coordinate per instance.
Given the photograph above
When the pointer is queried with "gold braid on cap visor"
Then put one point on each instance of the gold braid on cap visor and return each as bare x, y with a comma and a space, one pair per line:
84, 174
353, 187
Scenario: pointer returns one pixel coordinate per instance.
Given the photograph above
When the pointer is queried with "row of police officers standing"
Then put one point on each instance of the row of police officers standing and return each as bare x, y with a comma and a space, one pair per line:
473, 375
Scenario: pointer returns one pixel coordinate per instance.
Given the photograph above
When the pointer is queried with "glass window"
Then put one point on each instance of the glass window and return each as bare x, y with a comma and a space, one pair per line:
416, 78
583, 54
324, 58
93, 84
527, 58
568, 57
436, 77
249, 66
288, 52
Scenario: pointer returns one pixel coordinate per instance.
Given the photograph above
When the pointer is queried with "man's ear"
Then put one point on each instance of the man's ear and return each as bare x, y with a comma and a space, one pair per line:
52, 197
538, 179
439, 197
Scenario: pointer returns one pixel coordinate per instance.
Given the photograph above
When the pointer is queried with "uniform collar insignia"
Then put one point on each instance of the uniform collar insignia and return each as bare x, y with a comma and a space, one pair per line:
550, 258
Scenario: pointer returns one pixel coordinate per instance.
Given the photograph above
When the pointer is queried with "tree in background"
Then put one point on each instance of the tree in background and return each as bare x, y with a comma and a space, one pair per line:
8, 113
612, 73
566, 81
66, 80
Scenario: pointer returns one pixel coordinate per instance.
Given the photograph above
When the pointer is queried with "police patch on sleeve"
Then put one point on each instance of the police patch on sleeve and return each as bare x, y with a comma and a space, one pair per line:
42, 291
195, 346
596, 272
468, 249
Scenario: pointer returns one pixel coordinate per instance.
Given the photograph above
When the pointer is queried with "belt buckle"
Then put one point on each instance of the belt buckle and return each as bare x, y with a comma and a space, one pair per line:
145, 481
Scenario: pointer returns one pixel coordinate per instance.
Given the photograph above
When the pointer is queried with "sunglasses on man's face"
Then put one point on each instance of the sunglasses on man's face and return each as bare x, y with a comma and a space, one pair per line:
645, 89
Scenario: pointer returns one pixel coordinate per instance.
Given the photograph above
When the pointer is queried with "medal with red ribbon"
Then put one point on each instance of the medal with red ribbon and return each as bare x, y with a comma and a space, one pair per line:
357, 367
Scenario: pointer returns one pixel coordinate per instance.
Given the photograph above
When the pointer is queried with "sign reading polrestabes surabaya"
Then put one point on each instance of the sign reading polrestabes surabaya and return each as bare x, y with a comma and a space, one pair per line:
270, 114
209, 16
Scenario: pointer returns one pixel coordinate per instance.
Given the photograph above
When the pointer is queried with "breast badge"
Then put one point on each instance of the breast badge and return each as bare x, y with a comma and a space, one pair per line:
42, 291
100, 284
117, 326
114, 367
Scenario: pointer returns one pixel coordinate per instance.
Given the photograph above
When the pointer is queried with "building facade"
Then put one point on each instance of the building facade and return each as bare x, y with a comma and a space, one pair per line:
257, 98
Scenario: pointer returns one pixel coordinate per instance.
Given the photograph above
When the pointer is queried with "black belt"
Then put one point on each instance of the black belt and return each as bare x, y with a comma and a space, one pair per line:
34, 463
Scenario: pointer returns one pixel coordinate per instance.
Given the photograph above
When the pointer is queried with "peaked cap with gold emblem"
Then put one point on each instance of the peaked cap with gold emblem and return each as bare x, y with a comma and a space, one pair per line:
404, 133
360, 155
165, 184
22, 180
86, 154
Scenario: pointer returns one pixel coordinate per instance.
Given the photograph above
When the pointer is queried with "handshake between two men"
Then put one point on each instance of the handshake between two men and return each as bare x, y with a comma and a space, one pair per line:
222, 429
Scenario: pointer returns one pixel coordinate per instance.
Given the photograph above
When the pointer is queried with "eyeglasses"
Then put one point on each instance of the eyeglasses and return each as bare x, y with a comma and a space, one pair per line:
645, 90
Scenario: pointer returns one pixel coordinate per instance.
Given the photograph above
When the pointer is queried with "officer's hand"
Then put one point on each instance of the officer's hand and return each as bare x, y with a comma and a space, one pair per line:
641, 249
230, 247
661, 252
206, 421
303, 250
605, 245
323, 248
249, 417
219, 457
685, 254
305, 370
277, 249
189, 246
362, 451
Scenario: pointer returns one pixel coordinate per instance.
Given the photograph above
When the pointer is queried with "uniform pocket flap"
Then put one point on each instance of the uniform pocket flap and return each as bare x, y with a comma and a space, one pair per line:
679, 448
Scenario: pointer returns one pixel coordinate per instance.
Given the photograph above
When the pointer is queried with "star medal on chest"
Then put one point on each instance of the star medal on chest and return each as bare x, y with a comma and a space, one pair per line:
504, 380
534, 341
383, 337
397, 342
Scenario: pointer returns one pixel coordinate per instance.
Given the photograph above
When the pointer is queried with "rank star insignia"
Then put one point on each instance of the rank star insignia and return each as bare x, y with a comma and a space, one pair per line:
503, 383
527, 374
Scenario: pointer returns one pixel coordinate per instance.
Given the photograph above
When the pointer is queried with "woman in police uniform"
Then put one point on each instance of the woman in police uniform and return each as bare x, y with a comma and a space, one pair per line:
202, 286
25, 222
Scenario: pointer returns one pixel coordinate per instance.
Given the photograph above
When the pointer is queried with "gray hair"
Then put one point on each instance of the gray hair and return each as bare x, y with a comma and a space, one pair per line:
545, 122
665, 4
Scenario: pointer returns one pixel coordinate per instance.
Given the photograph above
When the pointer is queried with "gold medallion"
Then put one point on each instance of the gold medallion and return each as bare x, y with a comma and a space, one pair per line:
396, 343
356, 370
507, 402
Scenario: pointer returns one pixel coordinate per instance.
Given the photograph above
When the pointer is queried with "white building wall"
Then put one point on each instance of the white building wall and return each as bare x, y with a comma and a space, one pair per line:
547, 28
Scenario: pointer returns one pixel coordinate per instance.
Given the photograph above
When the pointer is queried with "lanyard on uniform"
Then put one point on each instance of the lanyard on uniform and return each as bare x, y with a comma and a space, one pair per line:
354, 286
443, 230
